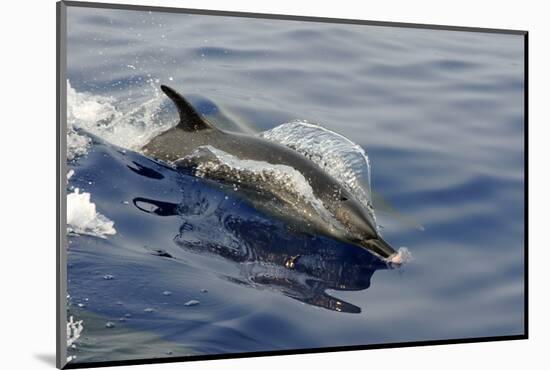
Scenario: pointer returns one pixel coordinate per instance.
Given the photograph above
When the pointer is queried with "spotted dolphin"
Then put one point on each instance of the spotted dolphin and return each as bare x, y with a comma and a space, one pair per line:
182, 145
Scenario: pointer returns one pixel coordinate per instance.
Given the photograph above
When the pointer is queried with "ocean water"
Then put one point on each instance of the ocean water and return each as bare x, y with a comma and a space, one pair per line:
162, 262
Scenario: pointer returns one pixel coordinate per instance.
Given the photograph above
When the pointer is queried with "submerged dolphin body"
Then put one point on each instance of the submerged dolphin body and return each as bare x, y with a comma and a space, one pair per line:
182, 145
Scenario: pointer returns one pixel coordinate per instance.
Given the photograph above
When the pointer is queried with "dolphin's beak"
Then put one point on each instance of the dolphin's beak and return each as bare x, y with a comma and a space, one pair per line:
383, 249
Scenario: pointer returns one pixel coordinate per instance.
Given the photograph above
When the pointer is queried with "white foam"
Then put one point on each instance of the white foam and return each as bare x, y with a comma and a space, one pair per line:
340, 157
295, 187
129, 126
74, 329
77, 144
402, 256
82, 217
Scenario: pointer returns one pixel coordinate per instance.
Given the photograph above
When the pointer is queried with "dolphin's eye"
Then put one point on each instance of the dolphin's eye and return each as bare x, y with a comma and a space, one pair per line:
343, 199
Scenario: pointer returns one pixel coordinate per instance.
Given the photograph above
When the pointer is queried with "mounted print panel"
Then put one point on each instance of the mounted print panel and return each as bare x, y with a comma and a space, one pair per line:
247, 184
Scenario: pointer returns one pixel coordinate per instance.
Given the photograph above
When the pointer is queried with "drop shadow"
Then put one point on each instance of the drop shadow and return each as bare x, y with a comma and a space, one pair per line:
46, 358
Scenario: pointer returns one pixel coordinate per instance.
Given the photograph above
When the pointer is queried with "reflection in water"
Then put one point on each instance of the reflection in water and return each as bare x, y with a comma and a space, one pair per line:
268, 255
145, 171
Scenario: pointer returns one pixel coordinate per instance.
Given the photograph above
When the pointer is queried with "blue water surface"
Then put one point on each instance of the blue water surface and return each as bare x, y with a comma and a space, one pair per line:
195, 269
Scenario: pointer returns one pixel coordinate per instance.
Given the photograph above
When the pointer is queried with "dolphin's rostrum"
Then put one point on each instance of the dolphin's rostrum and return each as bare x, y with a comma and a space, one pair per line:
181, 144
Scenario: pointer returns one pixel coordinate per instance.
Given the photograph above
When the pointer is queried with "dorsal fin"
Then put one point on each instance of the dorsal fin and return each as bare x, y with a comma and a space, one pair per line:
190, 120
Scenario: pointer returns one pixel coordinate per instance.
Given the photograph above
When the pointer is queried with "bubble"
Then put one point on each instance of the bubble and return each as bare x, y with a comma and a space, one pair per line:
110, 325
191, 303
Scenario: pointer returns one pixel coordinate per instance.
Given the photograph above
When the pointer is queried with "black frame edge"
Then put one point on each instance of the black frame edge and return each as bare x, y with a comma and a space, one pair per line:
304, 351
61, 113
288, 17
526, 184
57, 221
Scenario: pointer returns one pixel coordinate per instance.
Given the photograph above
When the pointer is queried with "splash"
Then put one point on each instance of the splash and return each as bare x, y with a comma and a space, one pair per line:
74, 329
129, 127
77, 144
402, 257
82, 217
70, 174
340, 157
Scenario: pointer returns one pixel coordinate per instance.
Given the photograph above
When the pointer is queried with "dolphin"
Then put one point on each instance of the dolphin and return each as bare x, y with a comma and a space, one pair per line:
182, 146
